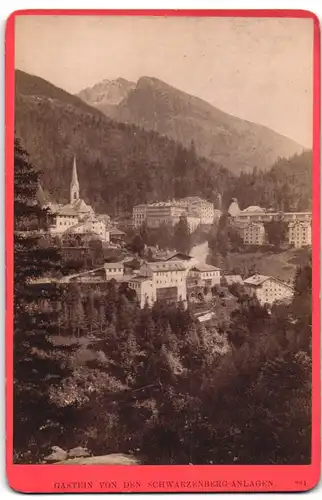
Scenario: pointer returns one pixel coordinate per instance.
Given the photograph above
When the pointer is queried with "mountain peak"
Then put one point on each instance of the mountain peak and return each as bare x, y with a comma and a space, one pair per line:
107, 92
153, 104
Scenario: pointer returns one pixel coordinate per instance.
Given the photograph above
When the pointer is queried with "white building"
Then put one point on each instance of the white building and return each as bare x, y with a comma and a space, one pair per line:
197, 210
143, 287
193, 222
76, 216
200, 208
254, 233
160, 213
160, 281
90, 224
114, 270
139, 215
205, 275
267, 289
300, 233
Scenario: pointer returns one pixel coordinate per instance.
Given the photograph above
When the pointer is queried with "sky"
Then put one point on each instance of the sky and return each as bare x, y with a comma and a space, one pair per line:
254, 68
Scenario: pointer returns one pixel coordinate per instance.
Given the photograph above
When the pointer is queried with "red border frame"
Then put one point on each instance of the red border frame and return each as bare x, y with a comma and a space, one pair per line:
45, 478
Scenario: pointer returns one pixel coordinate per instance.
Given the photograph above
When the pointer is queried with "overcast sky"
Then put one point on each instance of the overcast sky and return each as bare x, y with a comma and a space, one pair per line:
257, 69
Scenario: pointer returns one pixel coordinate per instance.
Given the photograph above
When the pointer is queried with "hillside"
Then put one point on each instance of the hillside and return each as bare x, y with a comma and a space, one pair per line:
237, 144
119, 165
286, 186
280, 265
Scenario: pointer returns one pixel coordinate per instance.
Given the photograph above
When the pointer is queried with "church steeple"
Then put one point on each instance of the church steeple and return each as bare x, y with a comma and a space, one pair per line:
74, 185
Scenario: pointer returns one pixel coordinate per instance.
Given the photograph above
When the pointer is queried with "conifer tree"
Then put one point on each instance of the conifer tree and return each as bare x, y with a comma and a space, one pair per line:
36, 308
182, 238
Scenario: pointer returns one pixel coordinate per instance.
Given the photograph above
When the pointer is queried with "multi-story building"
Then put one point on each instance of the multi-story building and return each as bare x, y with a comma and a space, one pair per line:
254, 233
250, 222
192, 221
300, 233
160, 281
139, 215
114, 270
199, 208
204, 275
267, 289
160, 213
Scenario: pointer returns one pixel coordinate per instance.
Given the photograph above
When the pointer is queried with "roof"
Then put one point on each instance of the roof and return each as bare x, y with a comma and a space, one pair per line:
81, 206
205, 267
166, 266
253, 208
111, 265
233, 278
179, 256
256, 279
116, 232
302, 223
259, 279
67, 210
139, 279
253, 224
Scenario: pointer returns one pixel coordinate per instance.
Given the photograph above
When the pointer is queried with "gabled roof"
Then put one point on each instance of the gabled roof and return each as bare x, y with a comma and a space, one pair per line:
205, 267
115, 232
297, 222
253, 208
166, 266
179, 256
67, 210
81, 206
111, 265
259, 279
139, 279
256, 279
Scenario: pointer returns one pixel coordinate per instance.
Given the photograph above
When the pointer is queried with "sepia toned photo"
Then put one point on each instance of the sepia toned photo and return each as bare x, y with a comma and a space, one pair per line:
163, 240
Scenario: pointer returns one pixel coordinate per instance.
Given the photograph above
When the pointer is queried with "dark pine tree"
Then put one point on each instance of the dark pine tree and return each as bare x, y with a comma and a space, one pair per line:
36, 309
182, 237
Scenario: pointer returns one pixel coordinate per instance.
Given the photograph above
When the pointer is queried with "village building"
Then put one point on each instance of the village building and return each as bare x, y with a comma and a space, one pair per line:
254, 233
116, 235
165, 281
76, 216
160, 213
139, 215
268, 289
204, 275
197, 210
200, 208
114, 270
300, 233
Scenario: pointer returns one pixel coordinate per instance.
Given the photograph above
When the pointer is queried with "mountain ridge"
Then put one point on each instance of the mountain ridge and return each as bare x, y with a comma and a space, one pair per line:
119, 165
238, 144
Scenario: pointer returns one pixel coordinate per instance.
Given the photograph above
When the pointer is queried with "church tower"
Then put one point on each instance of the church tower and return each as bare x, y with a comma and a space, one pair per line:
74, 185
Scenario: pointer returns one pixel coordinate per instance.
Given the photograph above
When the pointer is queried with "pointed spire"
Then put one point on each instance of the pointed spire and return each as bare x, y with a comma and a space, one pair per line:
74, 174
74, 185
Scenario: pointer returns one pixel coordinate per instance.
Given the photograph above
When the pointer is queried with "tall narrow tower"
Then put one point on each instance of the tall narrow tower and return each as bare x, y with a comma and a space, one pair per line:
74, 185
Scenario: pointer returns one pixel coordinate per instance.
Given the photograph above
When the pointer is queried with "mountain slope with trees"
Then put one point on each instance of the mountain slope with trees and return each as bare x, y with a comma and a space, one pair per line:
122, 165
237, 144
118, 165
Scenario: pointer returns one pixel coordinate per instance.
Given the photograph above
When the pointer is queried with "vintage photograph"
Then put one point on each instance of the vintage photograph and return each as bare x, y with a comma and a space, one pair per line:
162, 240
